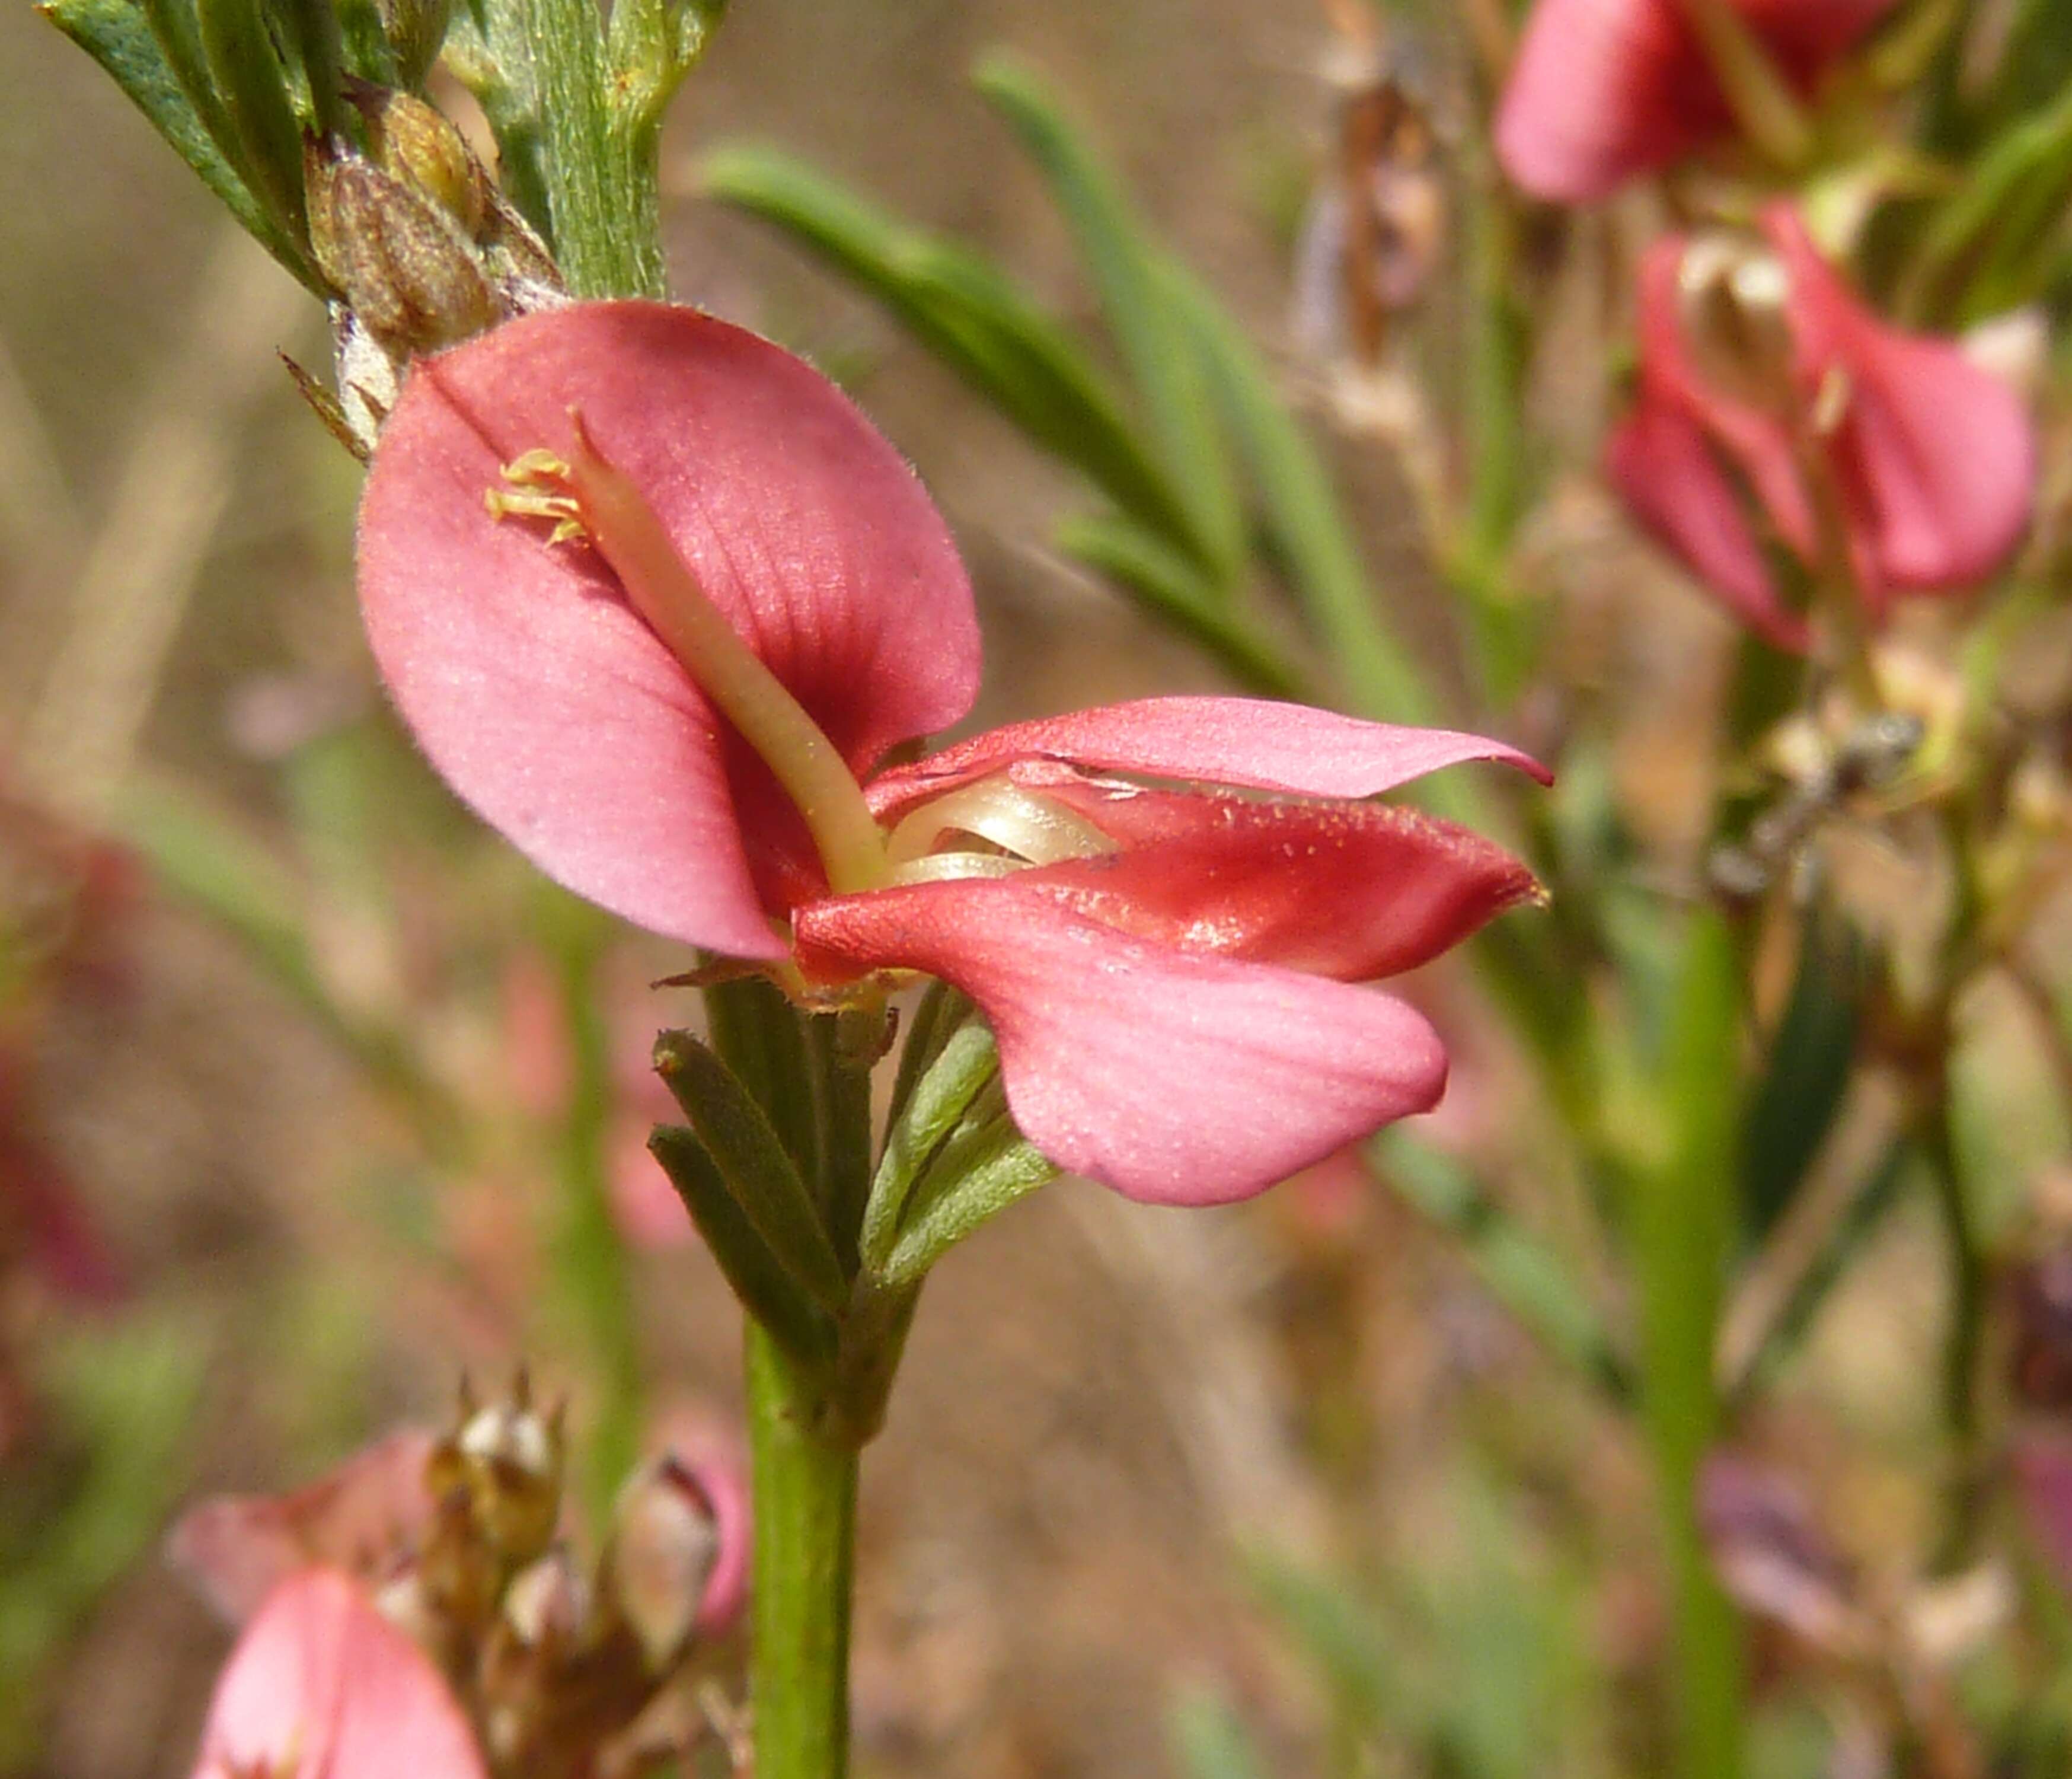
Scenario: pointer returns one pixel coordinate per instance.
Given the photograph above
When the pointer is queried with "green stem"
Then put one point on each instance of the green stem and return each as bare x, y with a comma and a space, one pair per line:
603, 199
805, 1543
1961, 1342
590, 1255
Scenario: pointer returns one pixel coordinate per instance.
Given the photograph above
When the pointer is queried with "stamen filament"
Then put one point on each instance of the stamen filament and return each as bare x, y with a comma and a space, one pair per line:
663, 589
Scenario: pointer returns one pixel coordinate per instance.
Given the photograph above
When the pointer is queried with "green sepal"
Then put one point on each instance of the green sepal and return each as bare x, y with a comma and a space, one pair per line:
939, 1100
753, 1164
983, 1170
766, 1290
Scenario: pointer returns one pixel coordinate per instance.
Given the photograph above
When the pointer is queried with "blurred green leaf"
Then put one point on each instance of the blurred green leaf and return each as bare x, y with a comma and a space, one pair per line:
128, 1393
1208, 1738
1342, 1638
1171, 587
1528, 1279
1132, 279
1303, 519
752, 1162
1805, 1076
971, 316
1986, 247
1874, 1195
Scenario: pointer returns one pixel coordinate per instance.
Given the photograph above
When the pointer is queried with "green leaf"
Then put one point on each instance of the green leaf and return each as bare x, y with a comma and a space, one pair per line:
767, 1289
1304, 525
1170, 587
1795, 1103
313, 32
1874, 1195
1528, 1278
244, 69
936, 1018
1977, 246
980, 1173
753, 1163
1133, 282
938, 1101
968, 314
1209, 1739
122, 38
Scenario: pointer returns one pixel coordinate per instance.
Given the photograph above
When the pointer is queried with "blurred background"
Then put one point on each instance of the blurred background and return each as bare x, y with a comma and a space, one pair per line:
312, 1098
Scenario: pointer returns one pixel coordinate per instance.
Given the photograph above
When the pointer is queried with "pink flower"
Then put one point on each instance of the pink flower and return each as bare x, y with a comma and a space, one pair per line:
1603, 90
322, 1687
367, 1515
1162, 907
1931, 460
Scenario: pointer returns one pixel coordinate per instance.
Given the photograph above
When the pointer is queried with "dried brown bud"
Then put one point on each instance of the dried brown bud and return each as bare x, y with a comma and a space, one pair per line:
398, 259
1733, 296
415, 143
664, 1546
503, 1467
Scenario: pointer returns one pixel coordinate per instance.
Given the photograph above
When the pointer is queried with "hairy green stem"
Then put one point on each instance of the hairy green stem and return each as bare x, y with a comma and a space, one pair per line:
603, 200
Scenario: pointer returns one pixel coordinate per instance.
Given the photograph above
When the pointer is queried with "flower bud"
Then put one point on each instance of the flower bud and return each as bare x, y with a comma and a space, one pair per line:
665, 1545
504, 1465
397, 256
1732, 299
416, 144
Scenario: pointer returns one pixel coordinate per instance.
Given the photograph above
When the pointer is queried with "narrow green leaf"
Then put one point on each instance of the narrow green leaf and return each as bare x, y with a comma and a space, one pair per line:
1131, 278
312, 29
1209, 1739
753, 1163
982, 1176
125, 40
766, 1289
1808, 1073
1306, 527
2012, 196
1170, 587
1342, 1639
1526, 1277
243, 68
968, 314
1877, 1193
939, 1099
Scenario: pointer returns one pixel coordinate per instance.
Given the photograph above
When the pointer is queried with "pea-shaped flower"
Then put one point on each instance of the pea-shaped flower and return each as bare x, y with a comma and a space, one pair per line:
661, 605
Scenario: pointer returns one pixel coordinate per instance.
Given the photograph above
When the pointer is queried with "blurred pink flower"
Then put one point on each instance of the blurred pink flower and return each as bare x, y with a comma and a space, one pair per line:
368, 1516
322, 1687
1932, 459
1603, 90
1169, 971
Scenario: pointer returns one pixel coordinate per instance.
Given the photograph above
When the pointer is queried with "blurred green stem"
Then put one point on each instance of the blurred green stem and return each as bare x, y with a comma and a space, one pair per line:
589, 1251
1683, 1213
1967, 1266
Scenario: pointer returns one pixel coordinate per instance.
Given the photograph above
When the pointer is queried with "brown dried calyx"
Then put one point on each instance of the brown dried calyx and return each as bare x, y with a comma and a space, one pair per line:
422, 248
